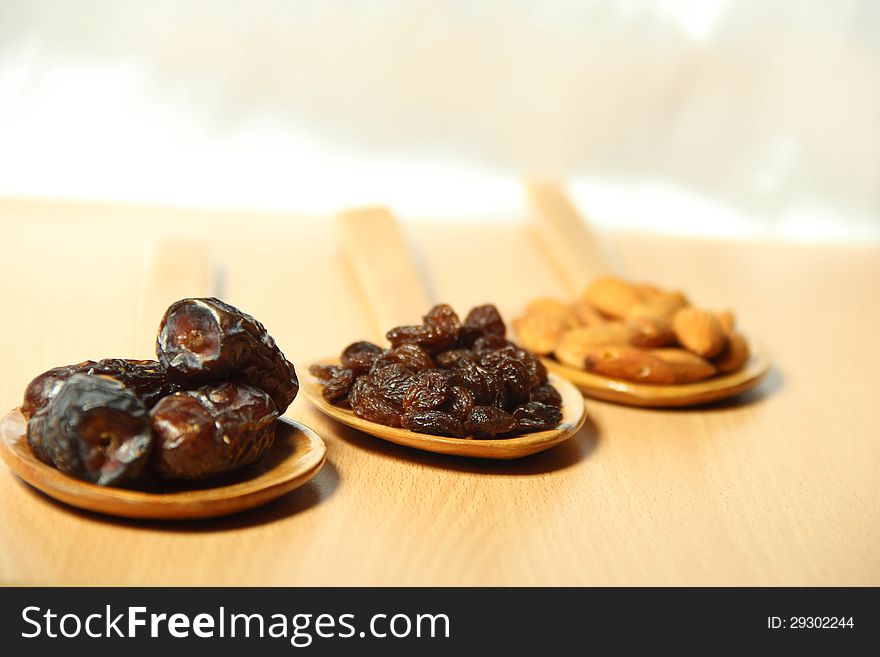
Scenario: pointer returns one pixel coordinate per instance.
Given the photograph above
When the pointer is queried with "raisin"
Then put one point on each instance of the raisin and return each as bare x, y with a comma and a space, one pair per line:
368, 403
487, 319
451, 358
325, 373
467, 335
546, 394
481, 382
413, 357
442, 316
536, 416
515, 377
95, 429
536, 367
432, 339
392, 383
211, 431
428, 392
336, 388
460, 403
490, 343
486, 422
207, 340
437, 423
147, 379
360, 356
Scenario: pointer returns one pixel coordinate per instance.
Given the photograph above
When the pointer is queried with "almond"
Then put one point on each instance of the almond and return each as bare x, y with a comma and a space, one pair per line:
586, 314
630, 363
663, 306
613, 297
727, 320
553, 308
575, 344
651, 332
688, 367
539, 333
699, 331
735, 355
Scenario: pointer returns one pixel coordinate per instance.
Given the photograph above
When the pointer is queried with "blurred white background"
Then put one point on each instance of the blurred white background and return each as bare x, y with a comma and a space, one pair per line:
725, 117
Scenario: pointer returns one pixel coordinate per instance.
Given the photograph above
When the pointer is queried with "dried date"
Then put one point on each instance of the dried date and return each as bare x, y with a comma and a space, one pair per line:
147, 379
211, 431
95, 429
207, 340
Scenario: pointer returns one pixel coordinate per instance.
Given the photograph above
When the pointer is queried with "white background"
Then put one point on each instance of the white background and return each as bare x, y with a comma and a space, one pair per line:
725, 117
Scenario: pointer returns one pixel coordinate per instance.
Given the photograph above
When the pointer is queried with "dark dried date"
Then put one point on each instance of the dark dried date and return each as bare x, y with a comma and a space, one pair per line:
95, 429
210, 431
145, 378
207, 340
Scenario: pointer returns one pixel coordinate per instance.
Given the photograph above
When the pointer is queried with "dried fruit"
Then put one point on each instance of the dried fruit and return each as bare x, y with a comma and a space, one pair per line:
546, 394
441, 376
699, 331
629, 363
437, 423
360, 356
486, 422
210, 431
95, 429
207, 340
536, 416
428, 392
662, 306
413, 357
727, 320
734, 356
688, 367
612, 296
147, 379
487, 319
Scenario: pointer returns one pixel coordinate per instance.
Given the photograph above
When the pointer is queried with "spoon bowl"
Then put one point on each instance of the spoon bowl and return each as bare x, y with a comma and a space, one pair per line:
295, 457
654, 395
573, 417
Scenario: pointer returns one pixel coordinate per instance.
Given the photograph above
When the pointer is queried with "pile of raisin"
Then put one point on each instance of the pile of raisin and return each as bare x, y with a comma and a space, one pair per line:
206, 407
446, 377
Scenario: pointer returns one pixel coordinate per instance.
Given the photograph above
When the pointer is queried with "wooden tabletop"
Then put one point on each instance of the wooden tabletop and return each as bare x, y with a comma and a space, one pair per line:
779, 487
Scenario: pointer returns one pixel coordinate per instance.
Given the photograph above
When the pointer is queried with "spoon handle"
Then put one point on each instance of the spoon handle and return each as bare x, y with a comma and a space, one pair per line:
173, 269
567, 237
377, 253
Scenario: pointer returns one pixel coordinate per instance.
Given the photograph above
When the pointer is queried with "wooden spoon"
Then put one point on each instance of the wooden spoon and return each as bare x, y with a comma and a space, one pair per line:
378, 255
295, 457
572, 246
173, 270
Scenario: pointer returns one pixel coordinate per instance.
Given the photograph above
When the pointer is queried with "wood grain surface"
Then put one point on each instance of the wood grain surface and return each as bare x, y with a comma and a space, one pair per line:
780, 487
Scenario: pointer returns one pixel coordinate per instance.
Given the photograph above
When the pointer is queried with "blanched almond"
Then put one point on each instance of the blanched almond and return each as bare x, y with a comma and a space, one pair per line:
699, 331
734, 356
553, 308
573, 346
688, 367
586, 314
539, 333
651, 332
612, 296
630, 363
